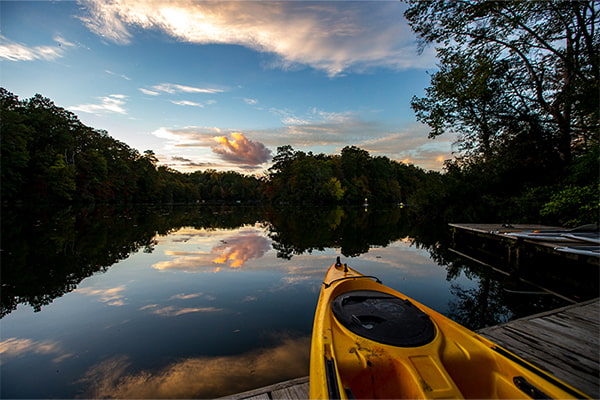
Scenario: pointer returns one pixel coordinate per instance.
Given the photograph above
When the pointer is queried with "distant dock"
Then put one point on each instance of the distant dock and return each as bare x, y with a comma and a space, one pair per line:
564, 342
573, 277
517, 245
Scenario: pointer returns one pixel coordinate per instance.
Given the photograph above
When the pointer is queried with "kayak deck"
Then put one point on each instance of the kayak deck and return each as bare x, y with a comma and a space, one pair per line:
453, 362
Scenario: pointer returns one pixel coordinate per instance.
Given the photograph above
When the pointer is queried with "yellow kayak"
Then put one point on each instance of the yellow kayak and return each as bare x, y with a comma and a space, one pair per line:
370, 341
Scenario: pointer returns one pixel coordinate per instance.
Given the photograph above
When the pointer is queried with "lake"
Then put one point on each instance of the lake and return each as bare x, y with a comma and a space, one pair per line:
205, 301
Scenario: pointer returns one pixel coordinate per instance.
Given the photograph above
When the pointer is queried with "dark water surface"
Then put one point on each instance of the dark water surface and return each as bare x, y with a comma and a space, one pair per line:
202, 302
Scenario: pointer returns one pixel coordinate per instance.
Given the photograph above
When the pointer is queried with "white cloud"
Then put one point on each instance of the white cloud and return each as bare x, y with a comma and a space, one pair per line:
149, 92
190, 136
176, 88
111, 104
13, 51
331, 36
63, 42
187, 103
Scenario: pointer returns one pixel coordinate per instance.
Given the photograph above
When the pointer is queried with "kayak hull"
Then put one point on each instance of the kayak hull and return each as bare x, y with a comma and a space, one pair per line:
370, 341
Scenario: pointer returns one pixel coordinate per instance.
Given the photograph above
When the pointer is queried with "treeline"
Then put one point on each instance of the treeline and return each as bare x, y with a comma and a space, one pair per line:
354, 177
48, 155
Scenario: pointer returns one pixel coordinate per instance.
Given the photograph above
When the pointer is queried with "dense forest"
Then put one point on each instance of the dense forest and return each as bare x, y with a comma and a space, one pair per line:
518, 82
49, 156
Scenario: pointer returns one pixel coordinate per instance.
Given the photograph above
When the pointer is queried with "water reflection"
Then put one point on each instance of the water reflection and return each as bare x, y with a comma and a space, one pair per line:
46, 255
207, 301
199, 377
232, 250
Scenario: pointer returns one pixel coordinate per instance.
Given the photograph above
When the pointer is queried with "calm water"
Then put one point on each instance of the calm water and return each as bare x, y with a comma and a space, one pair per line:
206, 301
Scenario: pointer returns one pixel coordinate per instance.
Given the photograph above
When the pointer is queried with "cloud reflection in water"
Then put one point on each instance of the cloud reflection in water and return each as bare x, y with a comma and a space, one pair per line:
233, 251
200, 377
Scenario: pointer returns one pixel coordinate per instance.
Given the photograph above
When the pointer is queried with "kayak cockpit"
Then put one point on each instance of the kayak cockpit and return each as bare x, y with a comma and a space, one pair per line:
383, 318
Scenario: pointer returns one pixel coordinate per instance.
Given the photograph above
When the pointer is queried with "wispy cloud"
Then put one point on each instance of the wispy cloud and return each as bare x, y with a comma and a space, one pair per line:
111, 296
317, 128
238, 149
172, 311
14, 51
149, 92
17, 347
187, 103
123, 76
183, 296
334, 37
172, 88
111, 104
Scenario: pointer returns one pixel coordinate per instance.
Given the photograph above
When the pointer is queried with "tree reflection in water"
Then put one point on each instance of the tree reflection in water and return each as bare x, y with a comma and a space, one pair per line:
47, 254
204, 301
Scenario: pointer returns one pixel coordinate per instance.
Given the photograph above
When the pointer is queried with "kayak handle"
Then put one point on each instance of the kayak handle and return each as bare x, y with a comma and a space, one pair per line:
351, 277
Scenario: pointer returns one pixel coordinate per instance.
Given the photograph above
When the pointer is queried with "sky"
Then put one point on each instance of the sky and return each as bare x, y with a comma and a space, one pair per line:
221, 84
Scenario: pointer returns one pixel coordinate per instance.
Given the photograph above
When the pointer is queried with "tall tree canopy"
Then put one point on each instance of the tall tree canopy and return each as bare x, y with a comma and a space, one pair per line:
518, 77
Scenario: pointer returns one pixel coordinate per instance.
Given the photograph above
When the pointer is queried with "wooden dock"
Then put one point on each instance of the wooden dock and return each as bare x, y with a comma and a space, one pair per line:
564, 342
516, 246
573, 277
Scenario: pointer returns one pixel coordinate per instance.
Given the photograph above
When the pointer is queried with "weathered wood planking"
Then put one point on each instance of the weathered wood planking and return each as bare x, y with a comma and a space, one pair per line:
564, 342
292, 389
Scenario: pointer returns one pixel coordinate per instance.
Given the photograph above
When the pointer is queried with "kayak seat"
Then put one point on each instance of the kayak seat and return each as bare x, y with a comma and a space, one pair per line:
383, 318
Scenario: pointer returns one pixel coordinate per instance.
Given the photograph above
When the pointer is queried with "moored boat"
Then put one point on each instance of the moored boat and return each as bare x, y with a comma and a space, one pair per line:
370, 341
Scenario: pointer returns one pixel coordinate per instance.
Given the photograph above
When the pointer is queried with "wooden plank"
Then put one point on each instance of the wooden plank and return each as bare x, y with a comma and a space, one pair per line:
563, 342
262, 396
267, 390
537, 353
299, 391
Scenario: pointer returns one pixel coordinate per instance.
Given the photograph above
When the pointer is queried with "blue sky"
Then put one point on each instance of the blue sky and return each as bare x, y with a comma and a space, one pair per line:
222, 84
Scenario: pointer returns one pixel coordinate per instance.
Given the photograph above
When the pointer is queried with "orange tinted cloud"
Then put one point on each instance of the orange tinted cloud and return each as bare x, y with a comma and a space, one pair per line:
238, 149
238, 250
201, 377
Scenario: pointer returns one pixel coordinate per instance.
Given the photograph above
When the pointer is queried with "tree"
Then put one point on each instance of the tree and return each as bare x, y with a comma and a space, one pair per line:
14, 137
521, 69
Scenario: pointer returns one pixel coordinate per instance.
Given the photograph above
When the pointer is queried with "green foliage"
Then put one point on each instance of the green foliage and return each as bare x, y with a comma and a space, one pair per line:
352, 177
518, 82
513, 76
574, 205
49, 156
